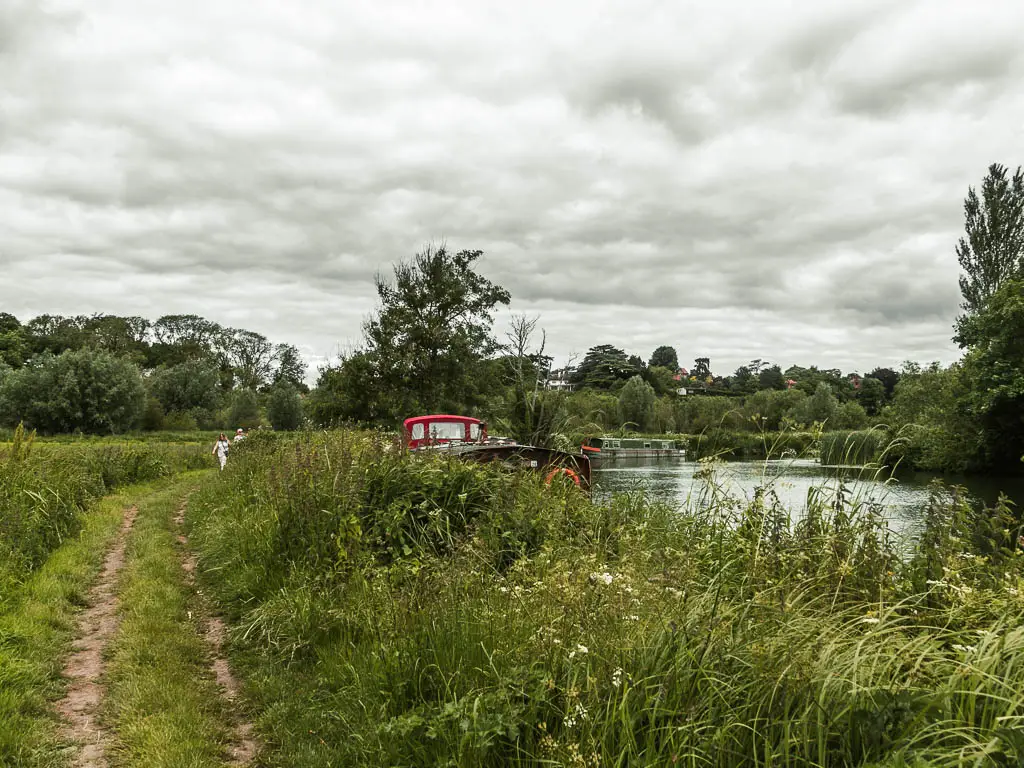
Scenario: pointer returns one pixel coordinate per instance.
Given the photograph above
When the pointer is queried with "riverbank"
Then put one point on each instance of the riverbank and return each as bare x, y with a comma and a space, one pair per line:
392, 609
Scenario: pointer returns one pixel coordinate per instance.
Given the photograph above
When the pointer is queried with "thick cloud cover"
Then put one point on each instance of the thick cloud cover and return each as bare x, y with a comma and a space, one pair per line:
776, 179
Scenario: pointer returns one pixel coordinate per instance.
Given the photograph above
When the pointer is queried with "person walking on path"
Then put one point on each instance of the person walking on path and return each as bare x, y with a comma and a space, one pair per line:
221, 448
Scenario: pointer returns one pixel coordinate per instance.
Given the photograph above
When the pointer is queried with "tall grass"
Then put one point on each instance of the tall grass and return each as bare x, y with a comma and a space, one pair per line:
854, 447
44, 487
407, 610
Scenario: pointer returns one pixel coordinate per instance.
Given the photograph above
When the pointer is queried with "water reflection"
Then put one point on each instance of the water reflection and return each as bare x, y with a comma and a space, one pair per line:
901, 500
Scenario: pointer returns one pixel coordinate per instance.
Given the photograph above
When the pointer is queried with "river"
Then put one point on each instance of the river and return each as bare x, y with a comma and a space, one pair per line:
902, 499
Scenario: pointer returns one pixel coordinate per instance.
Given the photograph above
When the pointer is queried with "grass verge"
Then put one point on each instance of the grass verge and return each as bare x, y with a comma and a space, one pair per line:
162, 701
37, 624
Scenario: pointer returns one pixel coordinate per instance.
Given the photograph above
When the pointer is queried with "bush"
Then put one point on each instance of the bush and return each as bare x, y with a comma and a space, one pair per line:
180, 422
245, 410
86, 390
284, 408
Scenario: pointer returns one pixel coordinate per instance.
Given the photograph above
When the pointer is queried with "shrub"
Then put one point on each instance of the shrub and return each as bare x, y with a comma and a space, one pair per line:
86, 390
284, 407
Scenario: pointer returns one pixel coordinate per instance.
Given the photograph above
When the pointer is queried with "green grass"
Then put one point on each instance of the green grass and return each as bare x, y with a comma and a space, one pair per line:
400, 610
44, 487
162, 704
37, 624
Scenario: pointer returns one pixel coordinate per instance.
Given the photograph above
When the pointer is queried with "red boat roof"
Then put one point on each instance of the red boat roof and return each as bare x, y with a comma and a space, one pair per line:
442, 417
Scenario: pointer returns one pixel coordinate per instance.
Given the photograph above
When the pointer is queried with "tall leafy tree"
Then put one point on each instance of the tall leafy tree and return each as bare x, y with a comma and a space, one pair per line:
432, 333
14, 349
993, 372
992, 249
889, 379
284, 407
290, 368
666, 357
701, 368
188, 386
636, 402
603, 367
251, 356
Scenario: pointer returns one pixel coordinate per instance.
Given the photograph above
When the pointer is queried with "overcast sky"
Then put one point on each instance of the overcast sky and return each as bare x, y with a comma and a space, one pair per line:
781, 180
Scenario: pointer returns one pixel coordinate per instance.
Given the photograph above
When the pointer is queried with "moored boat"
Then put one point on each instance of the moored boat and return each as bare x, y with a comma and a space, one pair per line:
607, 448
467, 438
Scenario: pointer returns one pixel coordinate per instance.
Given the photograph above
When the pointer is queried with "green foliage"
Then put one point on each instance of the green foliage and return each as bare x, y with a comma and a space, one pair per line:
194, 384
858, 447
404, 610
426, 347
697, 413
769, 410
662, 380
636, 403
992, 250
850, 415
604, 367
152, 415
871, 395
291, 369
88, 391
936, 432
665, 357
993, 373
245, 410
44, 488
180, 421
820, 408
284, 407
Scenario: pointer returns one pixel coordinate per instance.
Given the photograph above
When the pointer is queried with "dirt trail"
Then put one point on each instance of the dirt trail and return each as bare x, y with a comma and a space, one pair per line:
243, 743
96, 627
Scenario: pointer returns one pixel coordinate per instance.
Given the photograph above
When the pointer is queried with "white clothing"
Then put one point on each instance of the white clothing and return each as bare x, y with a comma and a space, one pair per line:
221, 449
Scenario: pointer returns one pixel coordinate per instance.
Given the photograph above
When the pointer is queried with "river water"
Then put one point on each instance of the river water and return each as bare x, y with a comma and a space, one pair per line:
901, 499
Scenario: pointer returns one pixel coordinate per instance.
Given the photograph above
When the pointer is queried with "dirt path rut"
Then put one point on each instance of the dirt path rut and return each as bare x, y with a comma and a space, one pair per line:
243, 742
96, 626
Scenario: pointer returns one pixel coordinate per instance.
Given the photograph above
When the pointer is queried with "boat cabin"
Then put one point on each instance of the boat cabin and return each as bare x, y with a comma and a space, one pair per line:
439, 429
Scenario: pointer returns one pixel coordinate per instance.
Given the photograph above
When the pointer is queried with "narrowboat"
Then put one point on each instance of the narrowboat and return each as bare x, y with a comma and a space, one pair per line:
467, 438
606, 447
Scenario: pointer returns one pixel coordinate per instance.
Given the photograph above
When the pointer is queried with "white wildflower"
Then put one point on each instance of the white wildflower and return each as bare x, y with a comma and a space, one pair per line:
617, 677
580, 649
633, 617
579, 713
503, 590
869, 620
964, 648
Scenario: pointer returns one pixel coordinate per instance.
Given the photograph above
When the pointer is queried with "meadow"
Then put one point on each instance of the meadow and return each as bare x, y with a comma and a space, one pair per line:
391, 609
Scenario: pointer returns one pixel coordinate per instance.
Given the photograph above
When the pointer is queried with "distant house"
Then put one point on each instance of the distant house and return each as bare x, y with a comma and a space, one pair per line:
855, 380
790, 383
681, 375
559, 380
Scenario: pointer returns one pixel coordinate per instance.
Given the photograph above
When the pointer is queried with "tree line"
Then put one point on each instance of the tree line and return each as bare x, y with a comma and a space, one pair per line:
107, 374
430, 347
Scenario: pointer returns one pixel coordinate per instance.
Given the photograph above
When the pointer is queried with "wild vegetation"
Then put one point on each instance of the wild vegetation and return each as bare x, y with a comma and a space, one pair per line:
44, 487
408, 610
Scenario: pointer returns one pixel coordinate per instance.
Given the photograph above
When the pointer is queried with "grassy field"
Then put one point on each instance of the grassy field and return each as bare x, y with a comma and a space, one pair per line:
396, 610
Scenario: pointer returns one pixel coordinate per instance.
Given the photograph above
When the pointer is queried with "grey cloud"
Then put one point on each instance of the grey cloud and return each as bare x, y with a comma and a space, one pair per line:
769, 177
